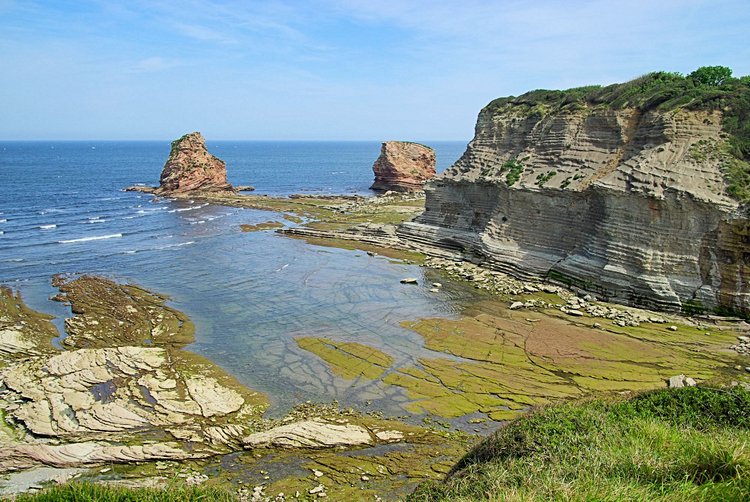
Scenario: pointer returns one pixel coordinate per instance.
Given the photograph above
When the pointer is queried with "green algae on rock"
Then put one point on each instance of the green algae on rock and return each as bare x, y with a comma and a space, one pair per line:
349, 360
23, 331
503, 362
267, 225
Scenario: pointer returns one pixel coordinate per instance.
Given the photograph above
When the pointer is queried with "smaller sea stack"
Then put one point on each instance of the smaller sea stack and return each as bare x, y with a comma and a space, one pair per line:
191, 167
403, 166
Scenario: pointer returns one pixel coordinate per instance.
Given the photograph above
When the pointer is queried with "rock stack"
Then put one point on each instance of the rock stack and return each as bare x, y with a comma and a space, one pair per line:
191, 167
403, 166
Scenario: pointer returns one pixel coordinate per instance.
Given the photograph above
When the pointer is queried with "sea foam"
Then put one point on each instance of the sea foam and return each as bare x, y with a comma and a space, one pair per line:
86, 239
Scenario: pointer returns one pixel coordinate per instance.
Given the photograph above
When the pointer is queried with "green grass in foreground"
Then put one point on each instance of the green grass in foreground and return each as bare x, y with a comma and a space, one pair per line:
687, 444
84, 492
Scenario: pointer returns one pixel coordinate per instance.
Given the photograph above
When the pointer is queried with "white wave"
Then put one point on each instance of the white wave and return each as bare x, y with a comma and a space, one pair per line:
96, 220
183, 209
175, 245
197, 222
50, 210
1, 232
3, 220
86, 239
14, 260
282, 267
130, 251
47, 227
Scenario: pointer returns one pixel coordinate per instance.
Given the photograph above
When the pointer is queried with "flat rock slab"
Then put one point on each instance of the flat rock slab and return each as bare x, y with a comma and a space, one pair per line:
310, 434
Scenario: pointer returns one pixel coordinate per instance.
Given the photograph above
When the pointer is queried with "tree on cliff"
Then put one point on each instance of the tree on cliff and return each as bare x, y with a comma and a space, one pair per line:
711, 75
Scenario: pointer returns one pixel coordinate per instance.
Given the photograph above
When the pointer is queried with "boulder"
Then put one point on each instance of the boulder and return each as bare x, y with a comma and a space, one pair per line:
191, 167
403, 166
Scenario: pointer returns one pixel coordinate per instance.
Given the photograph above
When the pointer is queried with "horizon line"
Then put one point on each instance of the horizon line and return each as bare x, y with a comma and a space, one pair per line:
236, 140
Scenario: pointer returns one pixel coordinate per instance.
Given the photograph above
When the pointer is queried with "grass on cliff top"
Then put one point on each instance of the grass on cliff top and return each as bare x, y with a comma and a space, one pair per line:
663, 91
685, 444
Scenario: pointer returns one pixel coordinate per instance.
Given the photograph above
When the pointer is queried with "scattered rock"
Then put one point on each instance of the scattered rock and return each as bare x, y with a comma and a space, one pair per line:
409, 280
679, 381
516, 305
672, 328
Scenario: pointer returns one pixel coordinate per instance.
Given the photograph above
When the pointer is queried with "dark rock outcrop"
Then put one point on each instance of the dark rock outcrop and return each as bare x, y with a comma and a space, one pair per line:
191, 167
403, 166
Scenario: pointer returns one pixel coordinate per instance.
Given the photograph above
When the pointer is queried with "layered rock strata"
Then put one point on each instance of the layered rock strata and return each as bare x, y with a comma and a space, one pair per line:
403, 166
628, 203
191, 167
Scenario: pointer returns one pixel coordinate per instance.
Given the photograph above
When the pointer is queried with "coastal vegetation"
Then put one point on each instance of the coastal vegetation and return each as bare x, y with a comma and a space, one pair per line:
707, 88
681, 444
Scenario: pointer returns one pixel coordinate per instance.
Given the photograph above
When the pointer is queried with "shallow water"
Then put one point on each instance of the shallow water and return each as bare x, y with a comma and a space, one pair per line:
250, 294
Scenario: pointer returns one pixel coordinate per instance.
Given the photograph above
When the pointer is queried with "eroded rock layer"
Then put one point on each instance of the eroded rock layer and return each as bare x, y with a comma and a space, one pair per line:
191, 167
403, 166
629, 203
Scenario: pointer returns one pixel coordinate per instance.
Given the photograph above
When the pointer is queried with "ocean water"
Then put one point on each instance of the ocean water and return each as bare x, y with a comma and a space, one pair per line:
63, 210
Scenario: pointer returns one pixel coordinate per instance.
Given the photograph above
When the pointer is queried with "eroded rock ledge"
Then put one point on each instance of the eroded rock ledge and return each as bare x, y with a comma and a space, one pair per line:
628, 203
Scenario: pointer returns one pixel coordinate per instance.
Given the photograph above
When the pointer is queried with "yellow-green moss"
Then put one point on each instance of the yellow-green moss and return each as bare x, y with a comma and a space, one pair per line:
349, 360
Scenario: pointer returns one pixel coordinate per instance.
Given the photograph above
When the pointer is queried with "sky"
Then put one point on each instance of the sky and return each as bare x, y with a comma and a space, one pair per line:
330, 69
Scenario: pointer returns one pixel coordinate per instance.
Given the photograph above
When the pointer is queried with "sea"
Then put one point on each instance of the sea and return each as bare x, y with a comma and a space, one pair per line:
63, 210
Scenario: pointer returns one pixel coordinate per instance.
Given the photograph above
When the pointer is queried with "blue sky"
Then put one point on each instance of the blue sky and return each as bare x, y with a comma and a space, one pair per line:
330, 69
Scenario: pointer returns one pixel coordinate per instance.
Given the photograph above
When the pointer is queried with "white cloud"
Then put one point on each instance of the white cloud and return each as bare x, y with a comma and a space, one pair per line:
154, 64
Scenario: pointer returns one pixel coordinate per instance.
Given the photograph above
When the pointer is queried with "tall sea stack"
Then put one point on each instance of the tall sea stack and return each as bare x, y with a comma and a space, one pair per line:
191, 167
403, 166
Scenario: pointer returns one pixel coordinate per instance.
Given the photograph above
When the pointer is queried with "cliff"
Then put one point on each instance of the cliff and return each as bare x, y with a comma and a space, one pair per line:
191, 167
634, 191
403, 166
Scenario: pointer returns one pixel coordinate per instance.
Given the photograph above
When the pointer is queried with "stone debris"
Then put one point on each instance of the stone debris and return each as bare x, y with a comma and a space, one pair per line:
566, 302
318, 489
743, 345
409, 280
680, 381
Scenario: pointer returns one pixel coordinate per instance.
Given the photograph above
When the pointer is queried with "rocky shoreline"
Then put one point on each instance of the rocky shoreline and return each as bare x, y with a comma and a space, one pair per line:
138, 397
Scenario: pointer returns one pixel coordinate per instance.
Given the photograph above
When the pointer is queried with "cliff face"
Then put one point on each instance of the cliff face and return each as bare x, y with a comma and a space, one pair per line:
629, 203
191, 167
403, 166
